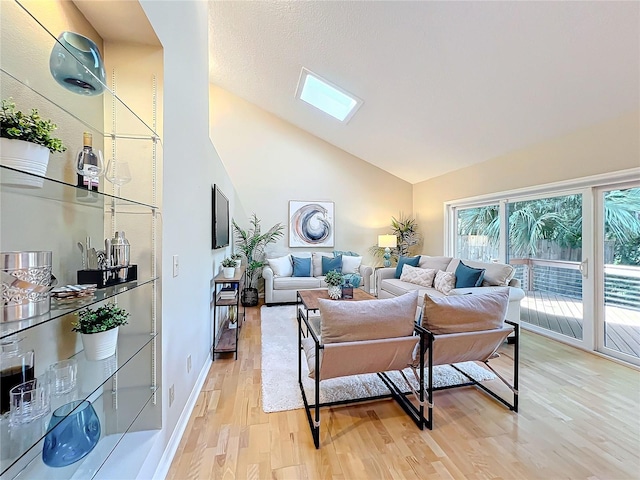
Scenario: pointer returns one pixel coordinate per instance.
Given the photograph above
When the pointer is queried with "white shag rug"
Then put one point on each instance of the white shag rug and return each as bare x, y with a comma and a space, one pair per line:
280, 390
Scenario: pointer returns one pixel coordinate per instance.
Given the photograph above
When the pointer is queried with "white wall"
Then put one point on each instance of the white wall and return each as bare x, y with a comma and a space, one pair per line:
191, 166
610, 146
271, 162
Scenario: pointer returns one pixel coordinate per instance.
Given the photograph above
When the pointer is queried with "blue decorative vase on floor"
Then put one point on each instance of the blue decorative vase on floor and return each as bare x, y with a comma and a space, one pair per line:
74, 431
76, 64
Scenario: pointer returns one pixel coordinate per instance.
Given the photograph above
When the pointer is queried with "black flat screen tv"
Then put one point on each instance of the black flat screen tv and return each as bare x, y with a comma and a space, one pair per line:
220, 219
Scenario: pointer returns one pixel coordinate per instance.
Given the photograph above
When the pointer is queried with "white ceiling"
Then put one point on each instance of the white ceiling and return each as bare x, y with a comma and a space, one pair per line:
445, 84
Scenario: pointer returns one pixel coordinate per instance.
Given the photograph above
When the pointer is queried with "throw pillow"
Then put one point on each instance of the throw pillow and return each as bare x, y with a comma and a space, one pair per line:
301, 266
329, 264
367, 319
465, 313
420, 276
467, 276
444, 281
281, 266
351, 264
316, 263
402, 261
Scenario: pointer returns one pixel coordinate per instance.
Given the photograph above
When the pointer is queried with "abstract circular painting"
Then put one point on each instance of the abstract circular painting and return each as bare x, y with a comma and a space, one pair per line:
310, 224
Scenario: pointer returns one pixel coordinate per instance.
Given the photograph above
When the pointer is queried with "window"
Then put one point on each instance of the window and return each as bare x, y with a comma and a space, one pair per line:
326, 96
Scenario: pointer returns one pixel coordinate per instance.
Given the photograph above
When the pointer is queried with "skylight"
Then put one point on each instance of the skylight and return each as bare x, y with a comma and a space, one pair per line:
326, 96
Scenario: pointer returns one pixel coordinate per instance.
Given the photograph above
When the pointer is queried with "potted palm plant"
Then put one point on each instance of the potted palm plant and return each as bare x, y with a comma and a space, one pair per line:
25, 142
333, 279
99, 330
251, 243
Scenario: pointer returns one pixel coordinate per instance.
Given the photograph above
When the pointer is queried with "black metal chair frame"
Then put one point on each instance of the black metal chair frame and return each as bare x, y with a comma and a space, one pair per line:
513, 405
415, 412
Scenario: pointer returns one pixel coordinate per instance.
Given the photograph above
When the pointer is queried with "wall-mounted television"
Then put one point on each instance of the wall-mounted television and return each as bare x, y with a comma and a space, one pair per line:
219, 218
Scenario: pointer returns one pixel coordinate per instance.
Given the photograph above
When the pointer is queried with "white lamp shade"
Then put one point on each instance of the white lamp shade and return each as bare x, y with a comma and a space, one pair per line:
387, 241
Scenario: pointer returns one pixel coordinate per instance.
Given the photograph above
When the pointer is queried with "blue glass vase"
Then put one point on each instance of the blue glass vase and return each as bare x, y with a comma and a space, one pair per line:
76, 64
74, 431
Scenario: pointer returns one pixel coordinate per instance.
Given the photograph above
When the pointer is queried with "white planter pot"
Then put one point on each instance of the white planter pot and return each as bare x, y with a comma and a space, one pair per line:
26, 157
101, 345
228, 272
335, 291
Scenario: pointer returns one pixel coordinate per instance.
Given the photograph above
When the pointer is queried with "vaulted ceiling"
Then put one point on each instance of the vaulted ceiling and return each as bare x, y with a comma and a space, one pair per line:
445, 84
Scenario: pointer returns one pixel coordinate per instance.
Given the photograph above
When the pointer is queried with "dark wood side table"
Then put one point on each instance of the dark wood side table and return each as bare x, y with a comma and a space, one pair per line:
227, 294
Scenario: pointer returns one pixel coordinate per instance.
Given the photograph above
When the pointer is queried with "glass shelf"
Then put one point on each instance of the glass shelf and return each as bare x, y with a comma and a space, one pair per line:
58, 310
57, 190
26, 440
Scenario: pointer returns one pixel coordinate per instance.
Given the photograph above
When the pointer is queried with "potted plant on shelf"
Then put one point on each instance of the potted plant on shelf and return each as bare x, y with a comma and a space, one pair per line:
236, 257
99, 330
228, 268
25, 143
333, 279
251, 244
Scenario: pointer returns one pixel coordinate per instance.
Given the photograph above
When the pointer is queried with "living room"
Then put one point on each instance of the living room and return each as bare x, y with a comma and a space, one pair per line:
261, 162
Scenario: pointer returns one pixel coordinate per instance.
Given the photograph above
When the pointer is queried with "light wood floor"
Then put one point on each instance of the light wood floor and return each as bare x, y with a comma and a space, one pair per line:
579, 419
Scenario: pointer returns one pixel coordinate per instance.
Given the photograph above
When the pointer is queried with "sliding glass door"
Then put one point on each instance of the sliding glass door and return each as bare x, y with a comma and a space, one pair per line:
618, 289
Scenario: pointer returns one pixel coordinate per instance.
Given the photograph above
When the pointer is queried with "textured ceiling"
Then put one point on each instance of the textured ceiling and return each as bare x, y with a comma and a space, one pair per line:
445, 84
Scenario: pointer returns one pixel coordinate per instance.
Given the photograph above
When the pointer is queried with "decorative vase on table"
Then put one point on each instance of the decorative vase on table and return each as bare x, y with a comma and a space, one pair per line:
101, 345
335, 291
74, 431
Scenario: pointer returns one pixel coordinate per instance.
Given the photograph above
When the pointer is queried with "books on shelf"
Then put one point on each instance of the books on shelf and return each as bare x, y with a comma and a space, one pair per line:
228, 293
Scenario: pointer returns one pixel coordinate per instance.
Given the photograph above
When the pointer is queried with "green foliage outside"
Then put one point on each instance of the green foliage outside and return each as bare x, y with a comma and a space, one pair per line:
16, 125
101, 319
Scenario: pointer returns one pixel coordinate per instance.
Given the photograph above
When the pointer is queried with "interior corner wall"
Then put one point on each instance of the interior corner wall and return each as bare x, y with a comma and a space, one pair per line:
271, 162
603, 148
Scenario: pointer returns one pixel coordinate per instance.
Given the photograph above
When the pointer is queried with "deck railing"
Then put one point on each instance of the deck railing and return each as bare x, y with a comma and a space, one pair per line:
621, 283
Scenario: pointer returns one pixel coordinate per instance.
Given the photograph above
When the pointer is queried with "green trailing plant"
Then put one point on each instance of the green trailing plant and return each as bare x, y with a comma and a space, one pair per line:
406, 231
228, 262
101, 319
333, 278
16, 125
251, 244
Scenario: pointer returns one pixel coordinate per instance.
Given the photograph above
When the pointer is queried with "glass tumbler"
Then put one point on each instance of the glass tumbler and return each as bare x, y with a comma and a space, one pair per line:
29, 400
62, 376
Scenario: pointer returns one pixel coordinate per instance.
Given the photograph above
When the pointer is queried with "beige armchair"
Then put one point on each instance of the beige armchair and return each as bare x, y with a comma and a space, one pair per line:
360, 337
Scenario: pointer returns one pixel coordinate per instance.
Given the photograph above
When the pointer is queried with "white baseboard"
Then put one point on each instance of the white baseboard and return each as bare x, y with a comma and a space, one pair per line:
172, 447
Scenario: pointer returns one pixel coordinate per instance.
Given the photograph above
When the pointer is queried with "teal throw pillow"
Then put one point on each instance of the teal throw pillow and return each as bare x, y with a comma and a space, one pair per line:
402, 261
301, 266
467, 276
329, 264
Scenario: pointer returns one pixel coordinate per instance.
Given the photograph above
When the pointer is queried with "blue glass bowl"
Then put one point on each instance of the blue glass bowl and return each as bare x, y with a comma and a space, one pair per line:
76, 64
74, 431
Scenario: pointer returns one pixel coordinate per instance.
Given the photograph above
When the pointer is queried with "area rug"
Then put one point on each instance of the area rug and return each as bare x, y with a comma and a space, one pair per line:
280, 390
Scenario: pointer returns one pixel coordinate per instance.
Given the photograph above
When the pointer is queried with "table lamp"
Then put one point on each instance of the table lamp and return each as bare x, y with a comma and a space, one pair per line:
387, 242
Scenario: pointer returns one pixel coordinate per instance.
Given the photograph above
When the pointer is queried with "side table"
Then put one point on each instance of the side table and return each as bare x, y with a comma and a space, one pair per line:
227, 294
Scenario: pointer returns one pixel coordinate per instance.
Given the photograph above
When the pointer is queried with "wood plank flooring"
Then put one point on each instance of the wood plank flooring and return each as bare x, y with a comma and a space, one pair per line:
579, 419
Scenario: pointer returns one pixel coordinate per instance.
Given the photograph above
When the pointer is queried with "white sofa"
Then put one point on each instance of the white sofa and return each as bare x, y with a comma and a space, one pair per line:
279, 288
496, 275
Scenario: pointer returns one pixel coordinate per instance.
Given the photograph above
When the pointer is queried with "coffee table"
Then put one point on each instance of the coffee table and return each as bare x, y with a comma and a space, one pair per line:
308, 302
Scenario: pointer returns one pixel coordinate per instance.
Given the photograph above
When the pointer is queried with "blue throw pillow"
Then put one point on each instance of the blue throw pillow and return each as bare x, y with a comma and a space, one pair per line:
467, 276
301, 266
329, 264
402, 261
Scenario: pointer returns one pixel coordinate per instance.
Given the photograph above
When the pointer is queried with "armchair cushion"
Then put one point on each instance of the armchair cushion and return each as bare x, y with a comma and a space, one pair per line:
345, 321
465, 313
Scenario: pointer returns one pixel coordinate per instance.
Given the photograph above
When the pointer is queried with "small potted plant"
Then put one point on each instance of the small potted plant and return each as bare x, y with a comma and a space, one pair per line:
237, 258
333, 279
26, 141
228, 268
99, 329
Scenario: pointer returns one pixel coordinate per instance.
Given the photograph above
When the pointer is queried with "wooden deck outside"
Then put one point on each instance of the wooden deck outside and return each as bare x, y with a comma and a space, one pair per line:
564, 315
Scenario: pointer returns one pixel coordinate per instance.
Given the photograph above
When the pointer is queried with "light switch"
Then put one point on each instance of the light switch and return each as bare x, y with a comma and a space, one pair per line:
175, 266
